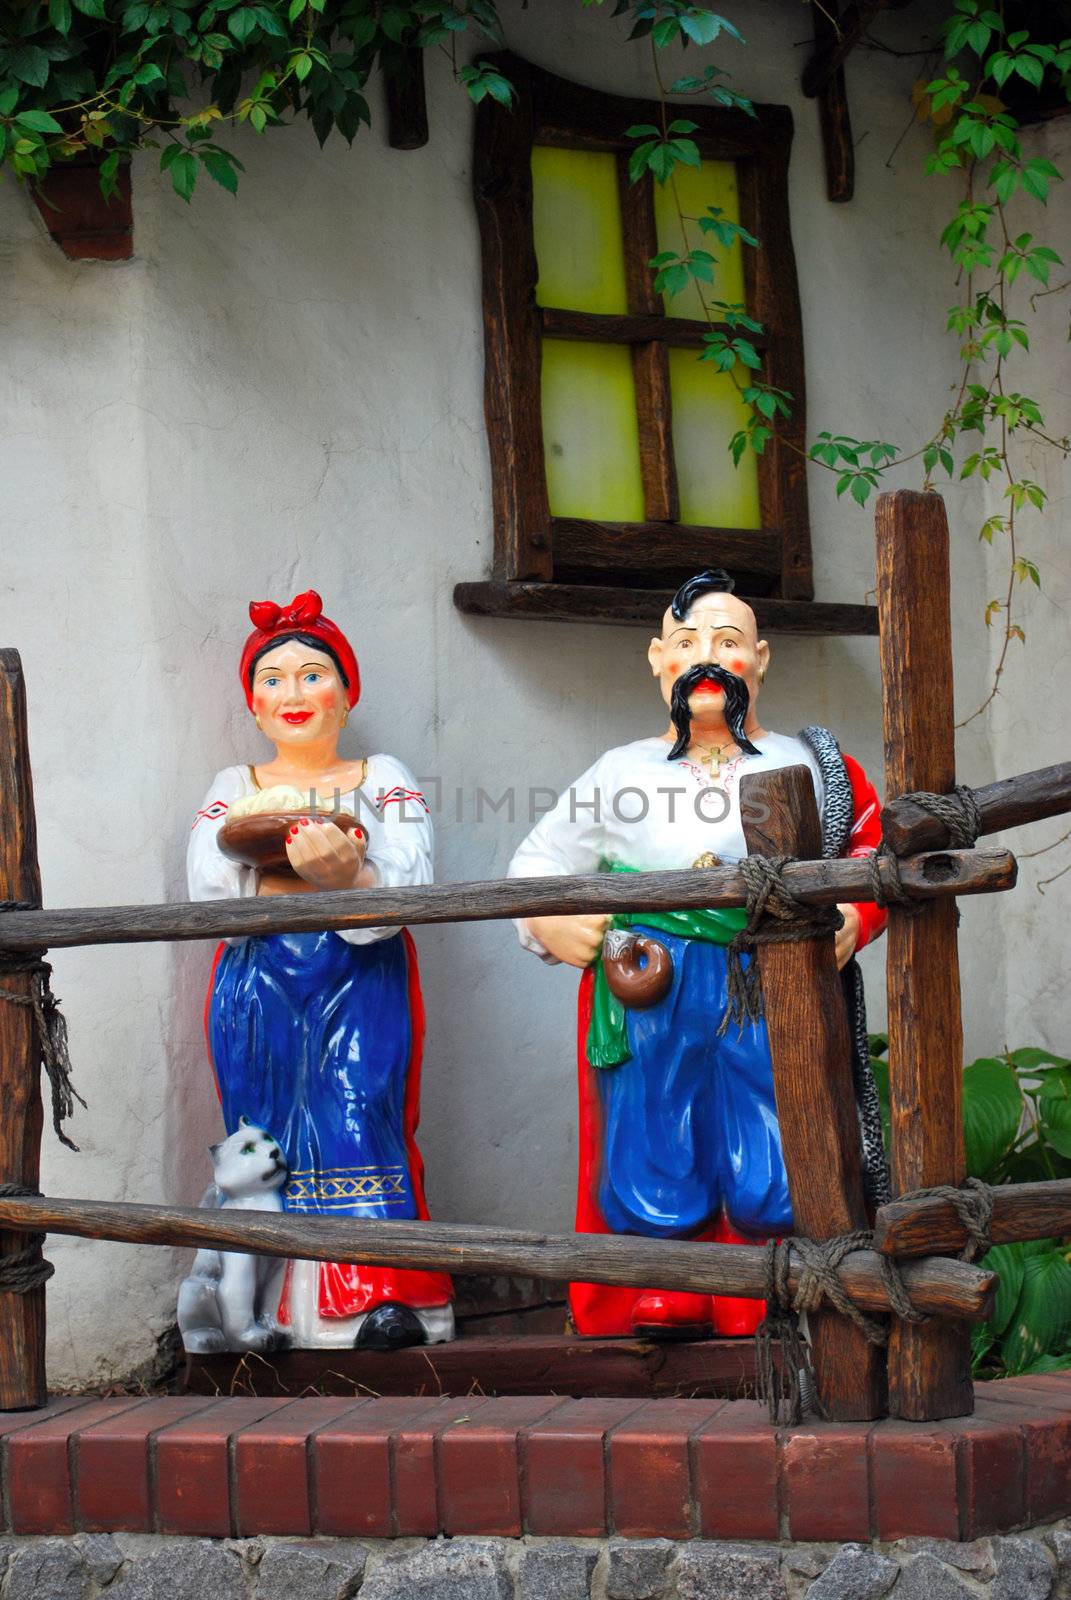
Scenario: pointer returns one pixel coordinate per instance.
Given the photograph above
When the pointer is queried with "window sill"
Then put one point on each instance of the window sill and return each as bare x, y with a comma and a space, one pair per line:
578, 602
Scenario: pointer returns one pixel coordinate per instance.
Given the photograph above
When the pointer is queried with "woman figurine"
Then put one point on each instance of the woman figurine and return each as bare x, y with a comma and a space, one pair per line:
317, 1037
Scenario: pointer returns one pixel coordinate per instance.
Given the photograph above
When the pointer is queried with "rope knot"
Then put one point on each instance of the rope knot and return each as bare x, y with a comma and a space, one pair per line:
973, 1205
790, 920
785, 1387
49, 1021
23, 1269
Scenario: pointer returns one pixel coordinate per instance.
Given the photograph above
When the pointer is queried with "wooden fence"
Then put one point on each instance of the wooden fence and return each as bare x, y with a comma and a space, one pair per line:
925, 1372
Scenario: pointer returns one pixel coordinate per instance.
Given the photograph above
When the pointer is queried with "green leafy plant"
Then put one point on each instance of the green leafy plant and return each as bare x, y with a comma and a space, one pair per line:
113, 76
1017, 1129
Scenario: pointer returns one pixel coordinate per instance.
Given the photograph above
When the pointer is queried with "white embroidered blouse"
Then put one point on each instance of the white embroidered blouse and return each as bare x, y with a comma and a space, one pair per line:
635, 808
388, 805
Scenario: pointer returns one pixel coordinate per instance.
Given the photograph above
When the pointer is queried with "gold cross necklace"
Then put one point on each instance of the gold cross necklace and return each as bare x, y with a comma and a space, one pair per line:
713, 757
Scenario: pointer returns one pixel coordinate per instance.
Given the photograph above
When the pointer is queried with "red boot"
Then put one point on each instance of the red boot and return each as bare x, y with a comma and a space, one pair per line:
661, 1315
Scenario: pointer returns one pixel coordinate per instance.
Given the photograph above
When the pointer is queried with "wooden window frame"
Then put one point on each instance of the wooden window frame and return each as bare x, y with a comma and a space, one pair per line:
531, 545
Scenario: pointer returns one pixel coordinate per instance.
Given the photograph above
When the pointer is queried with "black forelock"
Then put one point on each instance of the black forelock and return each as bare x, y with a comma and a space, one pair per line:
715, 580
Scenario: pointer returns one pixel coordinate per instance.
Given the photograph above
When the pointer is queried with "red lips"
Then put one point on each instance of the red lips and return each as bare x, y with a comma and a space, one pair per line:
295, 718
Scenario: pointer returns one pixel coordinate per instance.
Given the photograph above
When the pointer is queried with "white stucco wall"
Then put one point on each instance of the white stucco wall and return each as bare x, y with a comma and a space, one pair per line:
285, 391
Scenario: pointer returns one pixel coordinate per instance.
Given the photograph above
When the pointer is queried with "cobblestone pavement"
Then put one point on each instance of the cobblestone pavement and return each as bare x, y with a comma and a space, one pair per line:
1035, 1565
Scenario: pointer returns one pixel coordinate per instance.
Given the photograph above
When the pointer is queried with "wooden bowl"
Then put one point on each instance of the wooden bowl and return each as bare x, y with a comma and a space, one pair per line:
260, 840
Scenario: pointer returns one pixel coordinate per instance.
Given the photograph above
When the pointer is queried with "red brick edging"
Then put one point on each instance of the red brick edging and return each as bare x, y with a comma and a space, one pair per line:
533, 1464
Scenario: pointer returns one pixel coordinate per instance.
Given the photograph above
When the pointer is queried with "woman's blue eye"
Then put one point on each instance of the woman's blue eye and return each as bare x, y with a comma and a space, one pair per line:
313, 677
271, 682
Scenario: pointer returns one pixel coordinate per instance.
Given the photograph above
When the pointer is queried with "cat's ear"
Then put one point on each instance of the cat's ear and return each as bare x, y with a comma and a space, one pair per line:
243, 1122
214, 1149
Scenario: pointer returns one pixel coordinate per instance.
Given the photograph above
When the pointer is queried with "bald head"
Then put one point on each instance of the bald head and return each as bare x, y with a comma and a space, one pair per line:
715, 610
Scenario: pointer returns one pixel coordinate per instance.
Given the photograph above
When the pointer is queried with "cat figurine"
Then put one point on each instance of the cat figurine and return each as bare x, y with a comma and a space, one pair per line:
229, 1299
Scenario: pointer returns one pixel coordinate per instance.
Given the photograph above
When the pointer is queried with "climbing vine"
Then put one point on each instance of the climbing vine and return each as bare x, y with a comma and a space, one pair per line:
998, 269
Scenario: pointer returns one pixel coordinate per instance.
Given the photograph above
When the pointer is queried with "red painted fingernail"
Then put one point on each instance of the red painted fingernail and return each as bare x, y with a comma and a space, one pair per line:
305, 822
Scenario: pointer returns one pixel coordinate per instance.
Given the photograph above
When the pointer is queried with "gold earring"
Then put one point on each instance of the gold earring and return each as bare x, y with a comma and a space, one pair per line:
762, 675
258, 723
345, 716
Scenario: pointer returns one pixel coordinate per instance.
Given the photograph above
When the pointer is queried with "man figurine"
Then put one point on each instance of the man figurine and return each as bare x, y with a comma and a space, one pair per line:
678, 1125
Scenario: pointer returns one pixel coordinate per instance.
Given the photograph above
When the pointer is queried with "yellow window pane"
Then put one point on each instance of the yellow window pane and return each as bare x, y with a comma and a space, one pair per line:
577, 219
707, 411
590, 433
697, 188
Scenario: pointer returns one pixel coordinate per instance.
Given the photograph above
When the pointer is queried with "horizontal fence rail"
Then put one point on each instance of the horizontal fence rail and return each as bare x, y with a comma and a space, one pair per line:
1008, 803
926, 876
942, 1287
929, 1224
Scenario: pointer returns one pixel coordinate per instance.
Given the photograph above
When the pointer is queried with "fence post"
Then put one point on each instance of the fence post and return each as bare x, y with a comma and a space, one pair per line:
929, 1366
22, 1316
810, 1048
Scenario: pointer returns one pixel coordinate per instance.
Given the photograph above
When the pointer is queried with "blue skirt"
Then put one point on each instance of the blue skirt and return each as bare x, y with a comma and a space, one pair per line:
311, 1039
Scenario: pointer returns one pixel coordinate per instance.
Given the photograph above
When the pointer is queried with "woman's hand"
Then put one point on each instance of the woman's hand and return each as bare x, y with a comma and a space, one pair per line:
847, 937
575, 940
324, 856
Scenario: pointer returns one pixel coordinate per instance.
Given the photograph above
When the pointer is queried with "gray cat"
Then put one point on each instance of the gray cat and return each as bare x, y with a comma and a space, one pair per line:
229, 1300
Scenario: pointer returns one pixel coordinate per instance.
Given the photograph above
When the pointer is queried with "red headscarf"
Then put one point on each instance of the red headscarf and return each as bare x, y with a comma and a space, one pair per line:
304, 615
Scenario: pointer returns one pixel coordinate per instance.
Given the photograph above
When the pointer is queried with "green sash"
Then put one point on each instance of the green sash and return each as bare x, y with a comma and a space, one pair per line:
607, 1034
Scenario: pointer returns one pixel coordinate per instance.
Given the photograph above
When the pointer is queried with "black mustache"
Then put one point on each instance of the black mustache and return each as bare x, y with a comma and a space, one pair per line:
737, 705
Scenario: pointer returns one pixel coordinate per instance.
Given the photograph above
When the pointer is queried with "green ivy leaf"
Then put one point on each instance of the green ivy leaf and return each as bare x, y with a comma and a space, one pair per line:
221, 167
60, 16
37, 122
182, 165
29, 64
242, 23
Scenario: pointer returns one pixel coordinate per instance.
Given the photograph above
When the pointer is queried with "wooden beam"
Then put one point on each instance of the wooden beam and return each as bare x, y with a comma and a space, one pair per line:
834, 117
407, 101
811, 1051
514, 1363
605, 603
931, 1226
929, 1367
513, 350
656, 549
22, 1316
601, 327
839, 45
943, 1287
1008, 803
946, 873
650, 362
771, 293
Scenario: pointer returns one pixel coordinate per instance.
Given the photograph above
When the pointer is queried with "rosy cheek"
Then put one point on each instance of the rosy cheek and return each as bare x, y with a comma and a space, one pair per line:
736, 666
674, 669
